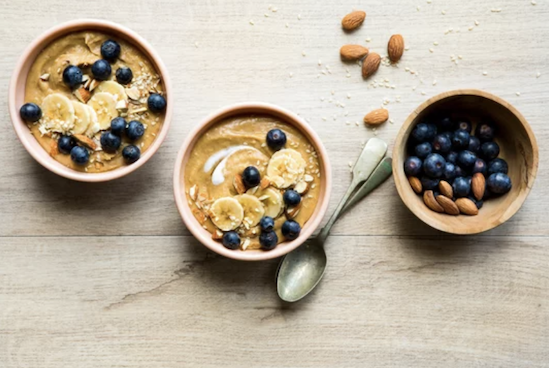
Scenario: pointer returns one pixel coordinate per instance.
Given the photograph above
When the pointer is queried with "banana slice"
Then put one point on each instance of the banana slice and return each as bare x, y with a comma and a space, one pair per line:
82, 117
227, 213
93, 126
253, 210
104, 105
272, 200
113, 88
58, 113
286, 167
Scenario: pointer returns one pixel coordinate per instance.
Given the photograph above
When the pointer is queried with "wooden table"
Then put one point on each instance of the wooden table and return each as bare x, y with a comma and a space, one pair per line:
106, 275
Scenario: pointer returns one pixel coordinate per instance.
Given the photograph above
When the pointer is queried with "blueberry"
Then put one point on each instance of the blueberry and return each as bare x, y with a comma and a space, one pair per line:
459, 171
429, 184
268, 240
424, 132
449, 135
485, 132
251, 177
110, 50
452, 157
464, 124
110, 142
474, 144
442, 143
267, 223
499, 183
466, 159
118, 126
135, 130
30, 112
80, 155
72, 76
65, 144
449, 172
291, 197
446, 124
489, 150
479, 167
423, 149
290, 229
412, 166
461, 186
276, 139
434, 165
460, 140
101, 69
231, 240
124, 75
131, 153
498, 165
156, 103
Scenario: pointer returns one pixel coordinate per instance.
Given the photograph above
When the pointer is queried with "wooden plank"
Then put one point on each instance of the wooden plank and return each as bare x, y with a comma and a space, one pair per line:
385, 301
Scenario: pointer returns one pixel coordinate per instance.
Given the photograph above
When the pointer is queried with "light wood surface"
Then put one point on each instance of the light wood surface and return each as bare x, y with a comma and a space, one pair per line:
107, 276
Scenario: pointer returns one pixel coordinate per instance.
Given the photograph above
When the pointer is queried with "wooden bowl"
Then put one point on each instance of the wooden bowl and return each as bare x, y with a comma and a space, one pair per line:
517, 146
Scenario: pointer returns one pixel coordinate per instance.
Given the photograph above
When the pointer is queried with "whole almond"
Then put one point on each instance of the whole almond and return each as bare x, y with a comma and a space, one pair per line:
431, 202
449, 206
370, 64
467, 206
395, 47
376, 117
415, 183
478, 184
446, 189
353, 52
353, 20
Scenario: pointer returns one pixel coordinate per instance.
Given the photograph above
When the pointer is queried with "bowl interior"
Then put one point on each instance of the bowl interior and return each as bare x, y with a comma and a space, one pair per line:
17, 97
517, 147
203, 235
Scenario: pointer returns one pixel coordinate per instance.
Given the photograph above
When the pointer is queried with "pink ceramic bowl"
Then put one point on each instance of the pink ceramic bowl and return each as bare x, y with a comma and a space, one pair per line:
17, 96
203, 235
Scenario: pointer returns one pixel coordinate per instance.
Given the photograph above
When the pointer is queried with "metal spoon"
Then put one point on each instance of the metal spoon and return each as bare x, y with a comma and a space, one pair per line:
302, 269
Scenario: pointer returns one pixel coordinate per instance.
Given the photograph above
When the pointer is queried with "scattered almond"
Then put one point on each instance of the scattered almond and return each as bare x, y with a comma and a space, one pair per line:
449, 206
193, 192
376, 117
45, 77
353, 52
88, 142
301, 187
200, 216
446, 189
353, 20
415, 183
291, 212
478, 184
370, 64
217, 235
431, 202
54, 149
239, 184
265, 182
133, 93
395, 47
467, 206
308, 178
122, 106
93, 84
82, 94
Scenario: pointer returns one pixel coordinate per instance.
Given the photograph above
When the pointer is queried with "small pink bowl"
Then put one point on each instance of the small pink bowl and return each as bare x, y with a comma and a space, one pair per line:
203, 235
17, 97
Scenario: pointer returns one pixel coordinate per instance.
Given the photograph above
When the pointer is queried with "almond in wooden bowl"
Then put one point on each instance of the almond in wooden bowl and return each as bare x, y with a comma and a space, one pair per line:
517, 146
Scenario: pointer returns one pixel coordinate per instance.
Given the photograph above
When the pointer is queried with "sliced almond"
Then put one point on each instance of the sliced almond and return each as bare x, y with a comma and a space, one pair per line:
308, 178
45, 77
467, 206
238, 184
122, 105
245, 244
431, 202
217, 235
446, 189
133, 93
82, 94
200, 216
265, 182
415, 183
193, 192
478, 185
93, 84
291, 212
449, 206
54, 149
88, 142
202, 197
301, 187
138, 110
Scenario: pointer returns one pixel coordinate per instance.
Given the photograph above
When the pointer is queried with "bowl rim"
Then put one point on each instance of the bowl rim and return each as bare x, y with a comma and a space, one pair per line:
204, 236
22, 130
398, 170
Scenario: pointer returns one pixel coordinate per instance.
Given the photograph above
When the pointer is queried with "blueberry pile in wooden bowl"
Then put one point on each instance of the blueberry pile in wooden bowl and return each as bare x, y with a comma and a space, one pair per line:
465, 161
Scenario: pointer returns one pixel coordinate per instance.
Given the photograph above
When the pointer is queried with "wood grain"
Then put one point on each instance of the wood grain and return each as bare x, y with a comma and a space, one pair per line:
107, 276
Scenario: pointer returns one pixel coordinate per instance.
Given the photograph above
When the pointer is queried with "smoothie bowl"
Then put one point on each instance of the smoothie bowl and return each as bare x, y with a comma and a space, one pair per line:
90, 100
252, 182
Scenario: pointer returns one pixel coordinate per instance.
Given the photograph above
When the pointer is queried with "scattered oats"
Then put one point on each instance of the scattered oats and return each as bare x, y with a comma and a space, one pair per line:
533, 2
287, 25
496, 10
299, 17
303, 53
350, 164
418, 8
407, 69
414, 88
431, 50
324, 118
266, 15
368, 39
252, 22
391, 121
291, 75
348, 75
332, 92
321, 98
319, 62
357, 123
460, 57
348, 95
435, 43
428, 1
470, 28
348, 123
518, 93
423, 93
538, 75
346, 113
196, 44
407, 48
443, 12
434, 82
477, 22
323, 72
274, 10
484, 73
